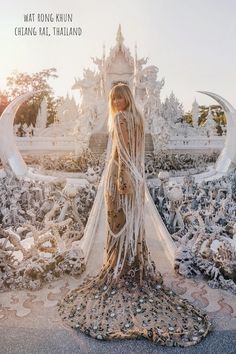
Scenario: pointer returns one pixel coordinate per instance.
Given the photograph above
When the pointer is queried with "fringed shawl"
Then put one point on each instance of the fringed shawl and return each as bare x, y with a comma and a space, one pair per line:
128, 142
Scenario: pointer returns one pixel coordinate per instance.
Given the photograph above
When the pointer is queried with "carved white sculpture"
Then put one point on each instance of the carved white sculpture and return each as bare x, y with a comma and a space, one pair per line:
195, 113
228, 154
172, 111
210, 124
90, 99
139, 87
9, 152
27, 129
152, 105
67, 115
41, 120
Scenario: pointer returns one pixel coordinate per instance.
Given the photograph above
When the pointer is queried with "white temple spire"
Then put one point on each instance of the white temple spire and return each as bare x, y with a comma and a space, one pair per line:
119, 37
135, 53
103, 51
42, 116
195, 113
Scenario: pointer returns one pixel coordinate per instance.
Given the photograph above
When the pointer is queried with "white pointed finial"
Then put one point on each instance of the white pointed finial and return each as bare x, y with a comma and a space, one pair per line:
119, 36
135, 51
103, 50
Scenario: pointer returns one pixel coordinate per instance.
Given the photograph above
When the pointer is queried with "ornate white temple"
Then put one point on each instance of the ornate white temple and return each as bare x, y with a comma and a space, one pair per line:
85, 125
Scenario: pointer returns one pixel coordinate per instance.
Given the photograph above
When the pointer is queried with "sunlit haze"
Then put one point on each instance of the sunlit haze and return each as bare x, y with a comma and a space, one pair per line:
192, 42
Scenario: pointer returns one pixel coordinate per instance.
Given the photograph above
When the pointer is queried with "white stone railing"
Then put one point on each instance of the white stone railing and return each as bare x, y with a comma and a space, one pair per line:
69, 144
46, 143
195, 142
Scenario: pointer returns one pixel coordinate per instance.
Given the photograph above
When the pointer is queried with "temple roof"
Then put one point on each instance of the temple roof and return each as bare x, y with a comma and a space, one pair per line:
119, 37
119, 48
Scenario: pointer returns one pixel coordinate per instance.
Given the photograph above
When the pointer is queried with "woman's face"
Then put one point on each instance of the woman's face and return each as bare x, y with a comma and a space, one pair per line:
119, 103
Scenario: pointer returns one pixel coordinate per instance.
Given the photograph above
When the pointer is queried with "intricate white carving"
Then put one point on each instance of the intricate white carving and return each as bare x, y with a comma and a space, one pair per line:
201, 219
195, 113
227, 157
9, 153
42, 117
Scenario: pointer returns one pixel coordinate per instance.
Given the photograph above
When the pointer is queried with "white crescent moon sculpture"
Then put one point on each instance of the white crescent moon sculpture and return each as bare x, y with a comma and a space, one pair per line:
9, 152
227, 156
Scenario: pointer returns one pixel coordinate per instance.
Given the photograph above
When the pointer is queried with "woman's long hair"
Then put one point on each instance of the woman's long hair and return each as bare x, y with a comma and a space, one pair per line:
130, 239
123, 90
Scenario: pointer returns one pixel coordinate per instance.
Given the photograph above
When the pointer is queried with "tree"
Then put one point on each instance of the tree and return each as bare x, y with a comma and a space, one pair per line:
3, 101
203, 111
187, 118
19, 83
217, 112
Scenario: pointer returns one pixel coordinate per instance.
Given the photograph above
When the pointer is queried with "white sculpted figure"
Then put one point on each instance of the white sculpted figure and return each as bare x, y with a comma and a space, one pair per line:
42, 117
89, 89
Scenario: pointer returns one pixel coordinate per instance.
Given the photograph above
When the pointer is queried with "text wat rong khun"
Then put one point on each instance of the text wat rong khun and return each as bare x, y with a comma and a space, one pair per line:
52, 178
63, 25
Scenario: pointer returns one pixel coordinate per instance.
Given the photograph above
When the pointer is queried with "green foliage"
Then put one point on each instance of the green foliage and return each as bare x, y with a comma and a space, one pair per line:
19, 83
3, 101
217, 112
218, 116
203, 112
187, 117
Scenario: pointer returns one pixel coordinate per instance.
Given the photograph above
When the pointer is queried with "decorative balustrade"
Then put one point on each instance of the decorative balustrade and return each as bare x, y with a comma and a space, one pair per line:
196, 142
41, 143
70, 144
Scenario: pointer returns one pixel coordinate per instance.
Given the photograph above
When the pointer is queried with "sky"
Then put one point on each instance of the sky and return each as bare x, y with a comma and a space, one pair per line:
192, 42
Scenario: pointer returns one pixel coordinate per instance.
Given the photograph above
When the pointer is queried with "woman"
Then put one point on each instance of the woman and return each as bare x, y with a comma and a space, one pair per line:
127, 298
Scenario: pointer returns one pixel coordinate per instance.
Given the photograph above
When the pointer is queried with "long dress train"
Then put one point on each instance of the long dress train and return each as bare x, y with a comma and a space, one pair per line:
127, 299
